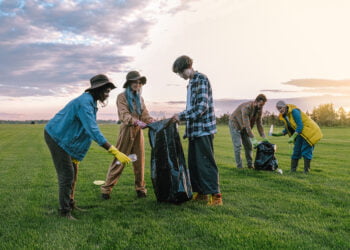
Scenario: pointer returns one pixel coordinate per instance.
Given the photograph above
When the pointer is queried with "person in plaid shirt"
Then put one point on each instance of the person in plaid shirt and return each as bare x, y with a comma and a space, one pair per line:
241, 122
200, 129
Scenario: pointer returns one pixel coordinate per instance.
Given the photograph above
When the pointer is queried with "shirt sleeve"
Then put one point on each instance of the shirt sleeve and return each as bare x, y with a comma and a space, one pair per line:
297, 118
246, 121
201, 104
87, 116
259, 124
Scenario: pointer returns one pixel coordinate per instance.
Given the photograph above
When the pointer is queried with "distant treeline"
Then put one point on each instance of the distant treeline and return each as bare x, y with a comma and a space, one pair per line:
324, 115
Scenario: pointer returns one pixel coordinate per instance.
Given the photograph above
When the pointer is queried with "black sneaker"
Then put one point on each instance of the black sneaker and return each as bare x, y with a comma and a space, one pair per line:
106, 196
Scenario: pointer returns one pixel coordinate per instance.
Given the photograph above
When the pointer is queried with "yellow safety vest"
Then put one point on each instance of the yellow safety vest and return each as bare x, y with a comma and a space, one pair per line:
311, 131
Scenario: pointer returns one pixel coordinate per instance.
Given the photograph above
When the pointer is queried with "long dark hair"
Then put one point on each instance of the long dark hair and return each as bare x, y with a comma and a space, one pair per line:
99, 94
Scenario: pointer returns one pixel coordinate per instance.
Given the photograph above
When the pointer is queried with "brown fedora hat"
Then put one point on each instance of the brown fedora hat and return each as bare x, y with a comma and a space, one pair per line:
100, 80
134, 76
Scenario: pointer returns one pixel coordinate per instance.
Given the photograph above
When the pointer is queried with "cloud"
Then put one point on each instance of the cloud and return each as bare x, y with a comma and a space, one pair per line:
316, 83
50, 48
176, 102
174, 84
277, 91
317, 86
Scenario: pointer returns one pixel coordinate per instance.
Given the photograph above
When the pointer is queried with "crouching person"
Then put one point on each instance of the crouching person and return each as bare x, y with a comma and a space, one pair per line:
302, 131
69, 134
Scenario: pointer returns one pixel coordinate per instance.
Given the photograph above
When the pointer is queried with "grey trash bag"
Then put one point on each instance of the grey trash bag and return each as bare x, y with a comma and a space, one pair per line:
169, 174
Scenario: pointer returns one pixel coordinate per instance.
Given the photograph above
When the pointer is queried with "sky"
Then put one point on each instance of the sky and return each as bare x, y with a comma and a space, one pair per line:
283, 48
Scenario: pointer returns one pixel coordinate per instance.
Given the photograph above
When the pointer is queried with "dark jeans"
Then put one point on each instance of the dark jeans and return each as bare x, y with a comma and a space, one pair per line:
66, 173
204, 173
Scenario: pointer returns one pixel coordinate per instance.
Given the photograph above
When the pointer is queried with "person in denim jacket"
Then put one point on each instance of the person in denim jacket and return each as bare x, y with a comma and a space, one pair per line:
69, 135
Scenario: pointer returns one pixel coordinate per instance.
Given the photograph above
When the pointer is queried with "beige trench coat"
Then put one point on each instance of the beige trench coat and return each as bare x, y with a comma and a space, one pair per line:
130, 141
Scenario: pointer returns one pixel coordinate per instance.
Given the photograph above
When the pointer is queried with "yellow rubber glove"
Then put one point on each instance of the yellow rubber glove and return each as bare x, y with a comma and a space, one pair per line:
119, 155
75, 161
292, 138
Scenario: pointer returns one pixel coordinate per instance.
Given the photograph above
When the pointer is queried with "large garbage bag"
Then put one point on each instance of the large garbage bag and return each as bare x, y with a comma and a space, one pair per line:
169, 174
265, 157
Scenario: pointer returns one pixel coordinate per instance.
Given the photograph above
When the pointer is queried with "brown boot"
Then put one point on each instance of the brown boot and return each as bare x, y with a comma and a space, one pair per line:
215, 200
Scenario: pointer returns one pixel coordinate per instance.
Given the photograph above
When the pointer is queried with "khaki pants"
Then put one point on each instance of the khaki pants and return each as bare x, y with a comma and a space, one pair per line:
130, 141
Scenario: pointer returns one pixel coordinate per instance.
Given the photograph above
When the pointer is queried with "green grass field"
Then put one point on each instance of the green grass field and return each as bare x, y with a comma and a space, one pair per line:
262, 210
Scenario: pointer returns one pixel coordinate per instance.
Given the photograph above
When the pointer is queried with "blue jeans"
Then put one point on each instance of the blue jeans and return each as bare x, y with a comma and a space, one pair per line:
302, 149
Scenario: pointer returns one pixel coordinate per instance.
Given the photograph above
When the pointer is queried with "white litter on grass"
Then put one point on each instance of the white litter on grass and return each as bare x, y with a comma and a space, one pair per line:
279, 171
99, 183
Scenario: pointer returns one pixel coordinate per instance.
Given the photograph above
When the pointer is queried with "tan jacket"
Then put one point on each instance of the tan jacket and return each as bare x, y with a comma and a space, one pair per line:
242, 118
128, 131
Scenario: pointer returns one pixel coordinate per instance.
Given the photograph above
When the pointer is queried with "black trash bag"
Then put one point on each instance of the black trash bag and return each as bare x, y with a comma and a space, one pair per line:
265, 157
169, 174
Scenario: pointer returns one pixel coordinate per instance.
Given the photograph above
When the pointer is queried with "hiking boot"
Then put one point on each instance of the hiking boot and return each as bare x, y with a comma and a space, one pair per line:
105, 196
307, 166
251, 167
141, 194
200, 197
293, 165
215, 200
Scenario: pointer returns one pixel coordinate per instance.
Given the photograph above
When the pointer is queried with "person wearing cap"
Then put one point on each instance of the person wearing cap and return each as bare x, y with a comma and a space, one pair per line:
200, 129
302, 131
133, 116
69, 134
241, 123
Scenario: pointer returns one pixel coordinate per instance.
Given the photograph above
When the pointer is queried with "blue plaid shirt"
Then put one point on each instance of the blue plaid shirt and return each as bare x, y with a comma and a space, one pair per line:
200, 117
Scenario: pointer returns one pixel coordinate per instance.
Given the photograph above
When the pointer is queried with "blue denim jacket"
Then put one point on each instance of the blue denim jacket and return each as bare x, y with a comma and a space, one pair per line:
75, 126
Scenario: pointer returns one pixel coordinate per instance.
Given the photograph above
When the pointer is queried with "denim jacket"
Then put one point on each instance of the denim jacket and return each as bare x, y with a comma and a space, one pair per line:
74, 127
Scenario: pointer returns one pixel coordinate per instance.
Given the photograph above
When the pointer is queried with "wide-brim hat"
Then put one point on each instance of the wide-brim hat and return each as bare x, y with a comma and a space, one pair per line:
98, 81
134, 76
